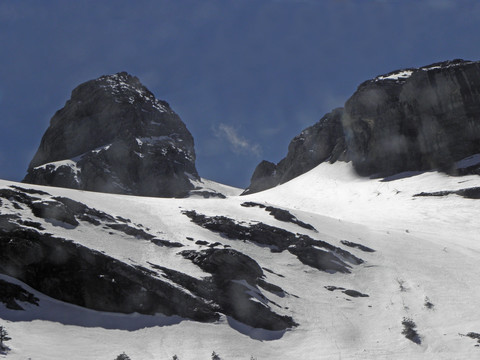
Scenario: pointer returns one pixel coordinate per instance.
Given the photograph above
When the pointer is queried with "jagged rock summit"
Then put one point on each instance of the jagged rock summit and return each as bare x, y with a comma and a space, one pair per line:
114, 136
406, 120
323, 141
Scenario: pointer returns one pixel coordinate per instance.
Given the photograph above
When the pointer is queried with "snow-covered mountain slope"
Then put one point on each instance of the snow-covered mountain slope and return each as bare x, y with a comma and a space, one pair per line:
347, 267
207, 188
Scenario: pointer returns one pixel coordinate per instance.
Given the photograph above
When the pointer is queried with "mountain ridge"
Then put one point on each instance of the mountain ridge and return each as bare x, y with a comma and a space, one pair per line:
391, 124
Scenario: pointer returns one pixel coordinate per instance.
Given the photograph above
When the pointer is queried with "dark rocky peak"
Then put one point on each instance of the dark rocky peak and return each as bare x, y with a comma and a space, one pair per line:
321, 142
428, 120
113, 135
125, 87
406, 120
400, 76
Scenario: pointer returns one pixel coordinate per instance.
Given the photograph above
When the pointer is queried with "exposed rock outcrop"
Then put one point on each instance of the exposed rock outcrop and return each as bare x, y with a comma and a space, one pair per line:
235, 281
78, 275
315, 253
321, 142
279, 214
406, 120
68, 271
11, 295
114, 136
415, 119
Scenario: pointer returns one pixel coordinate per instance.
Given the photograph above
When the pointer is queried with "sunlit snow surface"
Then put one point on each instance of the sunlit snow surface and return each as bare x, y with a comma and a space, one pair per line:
425, 248
404, 74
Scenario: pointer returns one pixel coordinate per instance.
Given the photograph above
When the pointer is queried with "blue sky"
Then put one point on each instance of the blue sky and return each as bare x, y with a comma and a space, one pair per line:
245, 76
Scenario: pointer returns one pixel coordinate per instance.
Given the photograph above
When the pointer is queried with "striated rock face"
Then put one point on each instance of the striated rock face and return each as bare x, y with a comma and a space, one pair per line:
411, 119
415, 119
114, 136
321, 142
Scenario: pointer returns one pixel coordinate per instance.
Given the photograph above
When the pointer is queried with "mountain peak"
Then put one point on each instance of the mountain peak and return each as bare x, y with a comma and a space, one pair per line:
412, 119
114, 135
123, 85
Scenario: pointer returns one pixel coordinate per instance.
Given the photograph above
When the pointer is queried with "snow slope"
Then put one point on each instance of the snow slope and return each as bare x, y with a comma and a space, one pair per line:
424, 268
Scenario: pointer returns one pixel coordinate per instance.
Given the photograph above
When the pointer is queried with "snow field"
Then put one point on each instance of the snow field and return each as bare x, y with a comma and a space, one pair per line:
427, 249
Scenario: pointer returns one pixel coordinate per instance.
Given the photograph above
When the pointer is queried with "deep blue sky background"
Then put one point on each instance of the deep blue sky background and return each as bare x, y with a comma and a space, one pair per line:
245, 76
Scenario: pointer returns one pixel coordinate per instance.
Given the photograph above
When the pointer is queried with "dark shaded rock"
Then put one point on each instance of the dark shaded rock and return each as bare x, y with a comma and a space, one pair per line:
226, 264
70, 212
356, 245
215, 244
406, 120
321, 142
280, 214
167, 243
333, 288
236, 301
54, 210
29, 191
274, 289
474, 335
410, 332
226, 293
305, 248
276, 238
354, 293
319, 259
249, 204
469, 193
264, 177
16, 206
16, 196
8, 222
414, 119
201, 242
114, 136
351, 293
29, 223
272, 272
207, 194
131, 231
233, 284
428, 304
11, 294
469, 170
85, 213
75, 274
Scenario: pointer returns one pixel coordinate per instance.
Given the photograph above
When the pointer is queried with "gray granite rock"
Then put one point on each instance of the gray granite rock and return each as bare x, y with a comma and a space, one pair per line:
321, 142
406, 120
415, 119
114, 136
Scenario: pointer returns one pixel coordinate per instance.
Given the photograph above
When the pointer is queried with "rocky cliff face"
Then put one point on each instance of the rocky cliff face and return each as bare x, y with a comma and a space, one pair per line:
321, 142
114, 136
415, 119
411, 119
